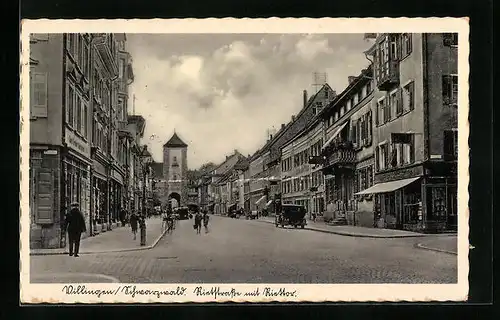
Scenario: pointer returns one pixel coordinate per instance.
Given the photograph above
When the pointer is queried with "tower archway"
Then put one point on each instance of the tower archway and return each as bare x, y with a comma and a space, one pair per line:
174, 199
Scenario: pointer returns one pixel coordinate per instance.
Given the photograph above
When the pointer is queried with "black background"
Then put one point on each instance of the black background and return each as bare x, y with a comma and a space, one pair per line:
480, 140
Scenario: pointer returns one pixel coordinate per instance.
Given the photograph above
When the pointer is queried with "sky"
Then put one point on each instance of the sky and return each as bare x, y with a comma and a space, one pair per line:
222, 92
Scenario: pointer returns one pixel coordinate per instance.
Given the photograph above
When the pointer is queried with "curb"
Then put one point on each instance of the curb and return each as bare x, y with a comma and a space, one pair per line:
359, 235
104, 251
419, 245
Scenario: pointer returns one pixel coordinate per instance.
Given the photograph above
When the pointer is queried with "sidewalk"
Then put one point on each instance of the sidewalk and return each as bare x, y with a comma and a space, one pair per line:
353, 231
117, 240
446, 245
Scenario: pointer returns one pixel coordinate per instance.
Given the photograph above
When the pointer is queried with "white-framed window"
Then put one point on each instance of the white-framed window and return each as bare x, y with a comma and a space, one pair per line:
450, 144
408, 97
39, 94
382, 156
381, 112
336, 117
407, 44
342, 110
348, 105
450, 89
70, 105
395, 103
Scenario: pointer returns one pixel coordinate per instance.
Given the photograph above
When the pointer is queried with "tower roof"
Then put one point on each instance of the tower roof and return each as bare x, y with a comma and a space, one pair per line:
175, 141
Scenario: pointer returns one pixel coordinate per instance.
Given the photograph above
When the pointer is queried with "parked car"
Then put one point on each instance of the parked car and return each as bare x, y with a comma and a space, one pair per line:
291, 215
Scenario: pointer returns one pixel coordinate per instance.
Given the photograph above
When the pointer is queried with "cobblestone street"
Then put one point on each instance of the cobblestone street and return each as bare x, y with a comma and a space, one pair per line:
243, 251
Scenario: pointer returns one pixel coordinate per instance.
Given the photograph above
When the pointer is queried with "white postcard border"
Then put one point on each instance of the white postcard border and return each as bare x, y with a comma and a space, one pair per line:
58, 293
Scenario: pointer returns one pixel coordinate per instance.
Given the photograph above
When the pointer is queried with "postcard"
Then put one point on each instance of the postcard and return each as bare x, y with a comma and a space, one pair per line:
244, 160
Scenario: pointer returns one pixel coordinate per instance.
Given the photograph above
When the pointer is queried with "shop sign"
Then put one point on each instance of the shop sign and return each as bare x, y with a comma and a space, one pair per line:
50, 152
76, 143
399, 174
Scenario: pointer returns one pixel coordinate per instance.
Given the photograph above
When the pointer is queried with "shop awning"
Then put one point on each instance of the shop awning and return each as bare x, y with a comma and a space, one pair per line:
327, 143
260, 200
269, 203
388, 186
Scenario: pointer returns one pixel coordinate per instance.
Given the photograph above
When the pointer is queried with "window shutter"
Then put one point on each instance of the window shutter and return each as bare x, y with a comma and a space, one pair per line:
45, 196
356, 181
412, 148
354, 133
377, 165
399, 102
376, 114
39, 85
370, 127
448, 146
358, 129
446, 89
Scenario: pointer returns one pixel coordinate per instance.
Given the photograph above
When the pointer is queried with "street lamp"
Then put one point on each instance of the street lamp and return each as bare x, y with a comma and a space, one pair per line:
146, 161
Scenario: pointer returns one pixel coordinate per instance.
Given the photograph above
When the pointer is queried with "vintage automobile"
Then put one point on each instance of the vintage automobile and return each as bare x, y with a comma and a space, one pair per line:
182, 212
291, 215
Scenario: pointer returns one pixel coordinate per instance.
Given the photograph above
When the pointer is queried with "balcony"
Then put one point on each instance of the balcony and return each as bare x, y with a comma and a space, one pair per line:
387, 75
123, 131
341, 158
105, 46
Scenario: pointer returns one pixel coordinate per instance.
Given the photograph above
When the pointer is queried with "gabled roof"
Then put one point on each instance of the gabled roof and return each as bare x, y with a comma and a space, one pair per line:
175, 142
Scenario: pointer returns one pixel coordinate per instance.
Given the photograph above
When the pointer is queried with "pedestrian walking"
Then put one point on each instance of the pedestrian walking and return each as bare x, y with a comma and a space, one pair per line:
197, 222
123, 216
314, 216
206, 217
75, 225
134, 220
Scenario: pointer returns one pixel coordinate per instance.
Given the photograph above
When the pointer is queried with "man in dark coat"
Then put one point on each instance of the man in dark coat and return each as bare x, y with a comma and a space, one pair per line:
75, 224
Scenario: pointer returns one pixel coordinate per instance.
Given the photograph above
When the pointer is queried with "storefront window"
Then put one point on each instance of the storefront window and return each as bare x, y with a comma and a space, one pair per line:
436, 203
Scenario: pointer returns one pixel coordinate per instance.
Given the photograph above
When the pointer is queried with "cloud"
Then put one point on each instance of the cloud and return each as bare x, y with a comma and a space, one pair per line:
225, 96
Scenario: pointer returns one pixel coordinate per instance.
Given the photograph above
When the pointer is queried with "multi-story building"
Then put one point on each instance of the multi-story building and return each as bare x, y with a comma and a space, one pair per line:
175, 172
73, 117
60, 133
136, 126
415, 134
311, 108
218, 188
347, 154
302, 182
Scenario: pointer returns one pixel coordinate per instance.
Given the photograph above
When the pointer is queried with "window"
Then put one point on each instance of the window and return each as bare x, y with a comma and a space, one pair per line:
450, 144
394, 49
408, 97
342, 111
80, 48
381, 112
368, 88
450, 90
78, 113
85, 119
388, 111
336, 117
70, 106
396, 102
403, 149
39, 93
86, 60
72, 45
450, 39
383, 156
355, 99
326, 94
349, 105
407, 45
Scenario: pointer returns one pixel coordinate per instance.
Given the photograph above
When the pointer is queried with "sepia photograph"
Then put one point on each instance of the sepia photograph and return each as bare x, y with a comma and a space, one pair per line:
224, 162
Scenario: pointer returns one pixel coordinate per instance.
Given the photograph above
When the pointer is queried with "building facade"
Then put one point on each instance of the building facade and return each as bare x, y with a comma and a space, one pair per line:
79, 150
415, 133
348, 153
302, 181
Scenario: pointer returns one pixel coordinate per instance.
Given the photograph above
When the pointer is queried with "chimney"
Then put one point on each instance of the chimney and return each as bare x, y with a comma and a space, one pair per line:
350, 79
293, 118
304, 96
282, 126
334, 94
